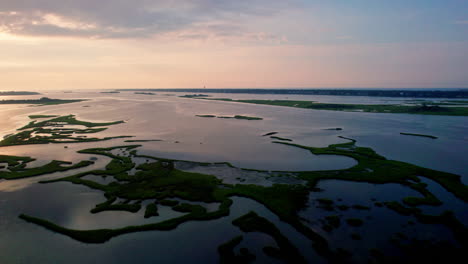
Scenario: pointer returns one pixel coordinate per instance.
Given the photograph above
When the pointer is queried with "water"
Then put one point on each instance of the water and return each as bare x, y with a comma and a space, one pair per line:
240, 142
380, 223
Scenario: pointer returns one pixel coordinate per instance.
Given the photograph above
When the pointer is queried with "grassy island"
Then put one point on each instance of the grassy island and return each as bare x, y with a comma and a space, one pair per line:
247, 117
145, 93
233, 117
418, 135
53, 131
206, 115
400, 109
151, 210
42, 101
17, 93
269, 134
16, 167
194, 96
41, 116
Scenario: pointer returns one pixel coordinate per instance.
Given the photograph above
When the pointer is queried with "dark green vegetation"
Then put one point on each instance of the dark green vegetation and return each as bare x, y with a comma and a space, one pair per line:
251, 222
111, 92
270, 134
247, 117
42, 101
16, 167
159, 180
374, 168
206, 115
18, 93
151, 210
194, 96
67, 120
144, 93
401, 109
418, 135
234, 117
41, 116
53, 131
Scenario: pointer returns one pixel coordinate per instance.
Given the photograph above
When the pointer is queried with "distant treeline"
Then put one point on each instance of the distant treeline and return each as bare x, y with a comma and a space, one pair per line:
462, 93
17, 93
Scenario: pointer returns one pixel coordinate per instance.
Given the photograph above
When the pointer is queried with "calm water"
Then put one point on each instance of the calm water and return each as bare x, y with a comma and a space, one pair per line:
240, 142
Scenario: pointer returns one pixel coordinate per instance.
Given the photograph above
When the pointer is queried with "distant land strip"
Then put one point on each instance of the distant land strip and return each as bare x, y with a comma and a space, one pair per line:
42, 101
395, 109
423, 93
5, 93
418, 135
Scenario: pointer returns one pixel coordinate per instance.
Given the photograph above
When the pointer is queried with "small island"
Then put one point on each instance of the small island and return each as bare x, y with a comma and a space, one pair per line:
41, 116
418, 135
194, 96
233, 117
145, 93
52, 131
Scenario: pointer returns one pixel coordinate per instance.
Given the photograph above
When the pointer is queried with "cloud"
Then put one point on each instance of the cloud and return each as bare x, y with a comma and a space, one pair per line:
344, 37
221, 31
133, 18
461, 22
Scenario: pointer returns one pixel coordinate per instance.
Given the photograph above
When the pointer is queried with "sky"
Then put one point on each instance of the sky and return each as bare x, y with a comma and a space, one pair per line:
107, 44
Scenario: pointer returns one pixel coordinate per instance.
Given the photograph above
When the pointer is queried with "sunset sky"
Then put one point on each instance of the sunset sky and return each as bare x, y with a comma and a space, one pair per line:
76, 44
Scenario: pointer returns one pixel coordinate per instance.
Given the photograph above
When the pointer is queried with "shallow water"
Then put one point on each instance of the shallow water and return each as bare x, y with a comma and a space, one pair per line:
380, 223
69, 205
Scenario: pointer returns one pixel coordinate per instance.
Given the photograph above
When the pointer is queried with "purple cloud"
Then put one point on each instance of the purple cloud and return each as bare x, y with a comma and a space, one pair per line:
127, 18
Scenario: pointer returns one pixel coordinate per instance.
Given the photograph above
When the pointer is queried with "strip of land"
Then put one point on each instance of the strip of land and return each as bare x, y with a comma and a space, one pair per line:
16, 168
145, 93
441, 93
18, 93
397, 109
233, 117
41, 116
42, 101
418, 135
